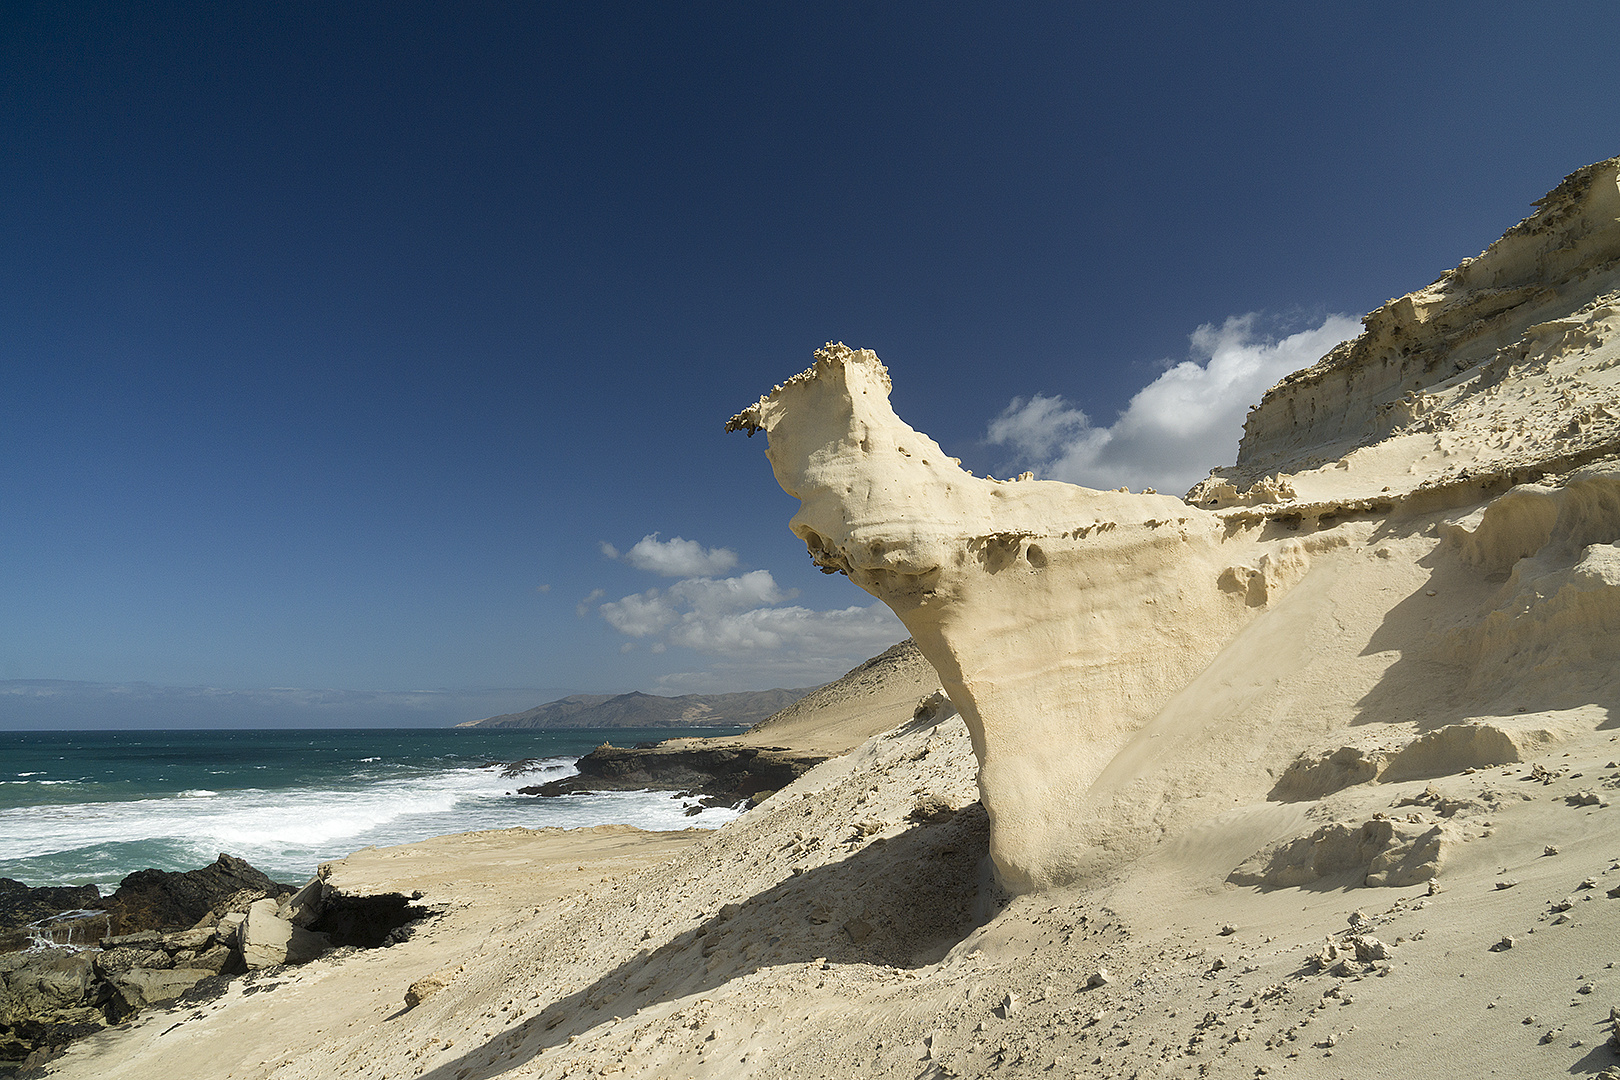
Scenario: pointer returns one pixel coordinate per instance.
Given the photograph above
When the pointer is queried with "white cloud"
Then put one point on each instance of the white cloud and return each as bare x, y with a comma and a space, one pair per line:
708, 596
674, 557
1176, 428
745, 622
865, 630
790, 646
639, 614
583, 608
692, 602
742, 621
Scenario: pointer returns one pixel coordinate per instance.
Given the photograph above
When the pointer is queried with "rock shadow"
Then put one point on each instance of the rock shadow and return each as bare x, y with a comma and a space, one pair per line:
1422, 685
899, 902
1433, 683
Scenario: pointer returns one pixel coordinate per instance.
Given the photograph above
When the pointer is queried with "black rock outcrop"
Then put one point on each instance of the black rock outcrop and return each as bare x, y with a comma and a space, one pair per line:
167, 900
726, 771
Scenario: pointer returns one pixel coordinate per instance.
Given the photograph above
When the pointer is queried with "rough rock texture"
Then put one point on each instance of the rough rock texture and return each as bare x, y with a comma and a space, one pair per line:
714, 768
21, 905
1059, 619
1442, 491
1429, 376
163, 899
51, 995
266, 939
844, 931
1381, 852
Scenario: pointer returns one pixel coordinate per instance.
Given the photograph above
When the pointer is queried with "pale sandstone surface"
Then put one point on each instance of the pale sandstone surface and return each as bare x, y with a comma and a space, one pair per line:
1058, 618
1353, 740
1480, 415
1500, 363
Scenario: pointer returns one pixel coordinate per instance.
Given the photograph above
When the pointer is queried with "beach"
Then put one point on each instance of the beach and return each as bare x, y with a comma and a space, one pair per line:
847, 928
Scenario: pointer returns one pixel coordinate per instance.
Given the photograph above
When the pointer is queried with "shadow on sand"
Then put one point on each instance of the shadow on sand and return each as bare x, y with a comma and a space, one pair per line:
1437, 681
899, 902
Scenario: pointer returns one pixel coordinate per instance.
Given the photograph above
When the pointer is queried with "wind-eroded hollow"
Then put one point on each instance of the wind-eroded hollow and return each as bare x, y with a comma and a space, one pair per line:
368, 921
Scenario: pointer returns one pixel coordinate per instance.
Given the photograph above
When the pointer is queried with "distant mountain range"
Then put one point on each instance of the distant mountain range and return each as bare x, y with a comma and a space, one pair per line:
55, 703
636, 709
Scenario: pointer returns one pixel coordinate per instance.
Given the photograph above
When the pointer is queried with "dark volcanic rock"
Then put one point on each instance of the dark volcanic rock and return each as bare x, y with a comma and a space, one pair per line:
46, 1001
726, 770
48, 997
21, 905
513, 769
165, 900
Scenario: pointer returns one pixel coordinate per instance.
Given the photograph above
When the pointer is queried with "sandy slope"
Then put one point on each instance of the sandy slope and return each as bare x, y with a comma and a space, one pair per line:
857, 946
484, 883
843, 714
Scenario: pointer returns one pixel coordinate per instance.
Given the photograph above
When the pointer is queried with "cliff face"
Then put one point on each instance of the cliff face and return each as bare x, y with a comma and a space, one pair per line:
1526, 313
1414, 561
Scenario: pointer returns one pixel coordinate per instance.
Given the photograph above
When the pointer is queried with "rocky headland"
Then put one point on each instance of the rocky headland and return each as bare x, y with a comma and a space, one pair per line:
750, 767
717, 771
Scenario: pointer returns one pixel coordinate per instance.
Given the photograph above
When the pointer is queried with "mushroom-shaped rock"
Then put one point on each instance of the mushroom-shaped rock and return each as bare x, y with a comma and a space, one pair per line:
1060, 619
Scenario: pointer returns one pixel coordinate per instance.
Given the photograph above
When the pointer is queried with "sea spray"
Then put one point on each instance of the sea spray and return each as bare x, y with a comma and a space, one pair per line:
94, 806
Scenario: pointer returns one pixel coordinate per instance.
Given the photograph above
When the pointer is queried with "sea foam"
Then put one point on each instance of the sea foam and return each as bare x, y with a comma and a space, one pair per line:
288, 832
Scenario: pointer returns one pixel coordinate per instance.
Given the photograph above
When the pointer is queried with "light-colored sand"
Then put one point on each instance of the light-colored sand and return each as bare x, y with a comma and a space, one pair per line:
1064, 622
617, 979
487, 885
841, 715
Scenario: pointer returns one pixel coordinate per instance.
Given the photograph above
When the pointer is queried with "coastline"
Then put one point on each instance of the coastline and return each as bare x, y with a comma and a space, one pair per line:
451, 873
847, 928
95, 806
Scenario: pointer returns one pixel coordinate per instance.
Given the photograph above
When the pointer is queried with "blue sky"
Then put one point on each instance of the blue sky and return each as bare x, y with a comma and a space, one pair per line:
366, 346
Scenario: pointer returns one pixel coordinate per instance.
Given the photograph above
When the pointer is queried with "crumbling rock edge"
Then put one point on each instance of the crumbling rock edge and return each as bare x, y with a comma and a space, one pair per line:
715, 768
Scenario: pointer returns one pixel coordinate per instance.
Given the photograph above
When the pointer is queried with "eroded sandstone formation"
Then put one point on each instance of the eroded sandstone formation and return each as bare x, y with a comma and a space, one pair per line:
1418, 538
1059, 618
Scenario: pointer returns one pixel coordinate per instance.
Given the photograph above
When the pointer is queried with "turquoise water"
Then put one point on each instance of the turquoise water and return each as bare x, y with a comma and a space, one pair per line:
93, 806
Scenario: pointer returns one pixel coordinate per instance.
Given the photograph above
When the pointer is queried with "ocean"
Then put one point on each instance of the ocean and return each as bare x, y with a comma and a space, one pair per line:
81, 807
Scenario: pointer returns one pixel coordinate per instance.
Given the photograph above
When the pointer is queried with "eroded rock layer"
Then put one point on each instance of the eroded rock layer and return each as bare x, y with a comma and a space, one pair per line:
1412, 569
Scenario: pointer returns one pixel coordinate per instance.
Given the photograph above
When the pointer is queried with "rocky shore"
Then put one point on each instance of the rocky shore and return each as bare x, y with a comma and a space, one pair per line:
75, 963
721, 772
826, 723
1311, 775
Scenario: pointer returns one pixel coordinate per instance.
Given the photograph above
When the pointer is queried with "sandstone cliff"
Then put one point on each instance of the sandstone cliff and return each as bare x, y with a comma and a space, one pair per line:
1417, 543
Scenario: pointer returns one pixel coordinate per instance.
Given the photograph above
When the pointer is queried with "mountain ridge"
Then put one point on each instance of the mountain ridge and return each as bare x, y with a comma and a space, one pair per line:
641, 710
